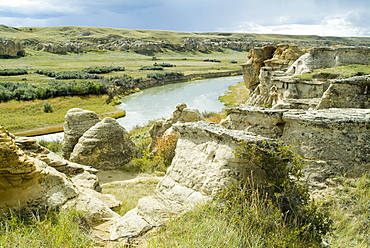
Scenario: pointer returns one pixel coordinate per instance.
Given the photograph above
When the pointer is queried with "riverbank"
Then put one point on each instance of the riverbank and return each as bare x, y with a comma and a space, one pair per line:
28, 118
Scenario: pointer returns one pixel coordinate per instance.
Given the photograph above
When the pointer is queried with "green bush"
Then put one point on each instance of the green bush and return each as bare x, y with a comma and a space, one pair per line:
152, 67
164, 64
12, 72
103, 69
47, 107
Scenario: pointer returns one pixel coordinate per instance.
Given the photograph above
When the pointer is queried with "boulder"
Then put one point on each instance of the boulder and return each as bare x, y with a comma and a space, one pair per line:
204, 164
105, 145
77, 122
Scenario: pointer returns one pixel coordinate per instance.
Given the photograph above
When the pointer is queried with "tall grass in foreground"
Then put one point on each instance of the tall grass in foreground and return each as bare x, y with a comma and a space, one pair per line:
63, 229
349, 207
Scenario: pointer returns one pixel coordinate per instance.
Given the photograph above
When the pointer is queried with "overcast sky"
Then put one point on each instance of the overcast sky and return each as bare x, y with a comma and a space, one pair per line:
318, 17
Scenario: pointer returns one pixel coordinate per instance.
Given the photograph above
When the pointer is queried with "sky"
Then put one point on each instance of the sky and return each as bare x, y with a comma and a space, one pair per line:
305, 17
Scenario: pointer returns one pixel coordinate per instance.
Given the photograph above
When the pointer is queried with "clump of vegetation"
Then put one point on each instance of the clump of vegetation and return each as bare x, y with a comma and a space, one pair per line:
214, 117
212, 60
12, 72
164, 64
53, 229
53, 145
165, 75
152, 67
103, 69
47, 107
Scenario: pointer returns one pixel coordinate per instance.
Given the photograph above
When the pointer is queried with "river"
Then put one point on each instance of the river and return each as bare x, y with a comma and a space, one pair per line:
160, 102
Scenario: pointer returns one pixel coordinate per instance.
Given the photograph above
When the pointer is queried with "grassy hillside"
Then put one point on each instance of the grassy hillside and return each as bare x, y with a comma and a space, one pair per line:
74, 33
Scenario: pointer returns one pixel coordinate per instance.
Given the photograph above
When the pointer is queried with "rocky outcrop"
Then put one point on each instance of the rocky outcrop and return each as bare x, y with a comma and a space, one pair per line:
77, 122
204, 164
326, 57
105, 145
276, 88
278, 57
61, 48
333, 141
28, 184
180, 115
351, 92
9, 48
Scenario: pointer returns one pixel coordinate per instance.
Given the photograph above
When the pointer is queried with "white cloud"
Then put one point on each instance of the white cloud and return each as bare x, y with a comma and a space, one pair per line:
36, 7
329, 26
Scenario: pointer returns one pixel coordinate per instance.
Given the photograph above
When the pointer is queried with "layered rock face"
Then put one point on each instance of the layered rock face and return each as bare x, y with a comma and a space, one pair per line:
278, 57
105, 145
333, 141
205, 163
9, 48
351, 92
77, 122
30, 183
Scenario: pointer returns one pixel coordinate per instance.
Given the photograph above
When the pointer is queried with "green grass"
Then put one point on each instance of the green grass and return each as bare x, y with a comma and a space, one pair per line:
343, 71
237, 95
64, 229
29, 115
131, 191
349, 207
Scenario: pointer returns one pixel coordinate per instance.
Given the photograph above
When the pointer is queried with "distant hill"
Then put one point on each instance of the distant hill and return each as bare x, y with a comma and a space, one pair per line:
113, 38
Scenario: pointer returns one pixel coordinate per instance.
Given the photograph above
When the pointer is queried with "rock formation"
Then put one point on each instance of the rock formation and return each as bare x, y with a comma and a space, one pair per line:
278, 57
9, 48
275, 86
27, 183
105, 145
180, 115
77, 122
333, 141
204, 164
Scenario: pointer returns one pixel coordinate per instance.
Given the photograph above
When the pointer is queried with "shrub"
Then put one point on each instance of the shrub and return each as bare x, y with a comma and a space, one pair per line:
12, 72
165, 75
47, 107
103, 69
281, 186
164, 64
152, 67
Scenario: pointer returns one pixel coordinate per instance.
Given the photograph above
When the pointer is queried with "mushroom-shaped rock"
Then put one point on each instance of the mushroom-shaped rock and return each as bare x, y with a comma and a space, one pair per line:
77, 122
105, 145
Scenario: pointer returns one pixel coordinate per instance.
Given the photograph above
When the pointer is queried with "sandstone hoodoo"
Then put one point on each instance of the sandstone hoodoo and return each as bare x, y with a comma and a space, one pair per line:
77, 122
105, 145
